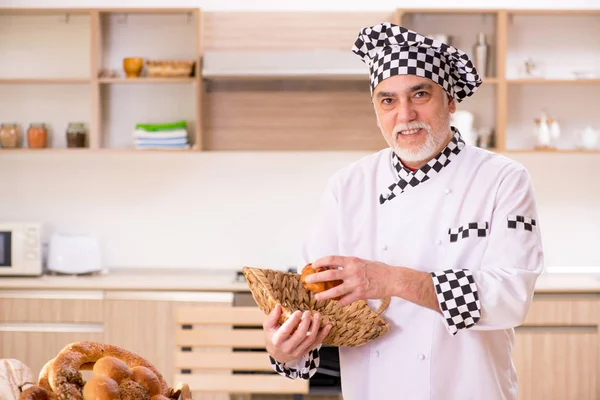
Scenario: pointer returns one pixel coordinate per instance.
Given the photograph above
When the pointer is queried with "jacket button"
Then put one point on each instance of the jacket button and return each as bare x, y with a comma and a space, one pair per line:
448, 191
439, 242
377, 353
421, 357
384, 247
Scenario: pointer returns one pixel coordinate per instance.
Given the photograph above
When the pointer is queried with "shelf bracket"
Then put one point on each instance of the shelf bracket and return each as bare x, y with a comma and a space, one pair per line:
67, 18
188, 18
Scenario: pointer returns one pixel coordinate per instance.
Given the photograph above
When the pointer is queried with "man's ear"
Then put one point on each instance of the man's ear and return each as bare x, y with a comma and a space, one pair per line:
451, 104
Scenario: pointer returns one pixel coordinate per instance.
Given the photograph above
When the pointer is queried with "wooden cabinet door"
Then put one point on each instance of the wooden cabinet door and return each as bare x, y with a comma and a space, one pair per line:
559, 365
144, 323
556, 349
35, 349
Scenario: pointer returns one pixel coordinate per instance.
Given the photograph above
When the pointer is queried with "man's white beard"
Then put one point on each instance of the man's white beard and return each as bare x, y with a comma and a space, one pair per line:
433, 141
429, 149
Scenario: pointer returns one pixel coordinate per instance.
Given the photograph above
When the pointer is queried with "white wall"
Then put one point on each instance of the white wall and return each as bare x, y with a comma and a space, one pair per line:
233, 209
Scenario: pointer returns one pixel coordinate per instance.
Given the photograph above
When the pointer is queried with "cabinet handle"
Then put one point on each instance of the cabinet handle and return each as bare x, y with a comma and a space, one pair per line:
51, 327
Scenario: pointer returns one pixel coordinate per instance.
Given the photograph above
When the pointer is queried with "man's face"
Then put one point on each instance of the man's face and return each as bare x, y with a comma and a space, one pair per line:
413, 114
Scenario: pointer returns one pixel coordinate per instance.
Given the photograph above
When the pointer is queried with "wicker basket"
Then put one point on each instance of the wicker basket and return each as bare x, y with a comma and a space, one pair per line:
353, 325
169, 68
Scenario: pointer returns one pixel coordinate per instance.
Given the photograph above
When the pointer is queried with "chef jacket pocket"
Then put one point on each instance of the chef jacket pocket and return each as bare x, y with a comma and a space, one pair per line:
470, 230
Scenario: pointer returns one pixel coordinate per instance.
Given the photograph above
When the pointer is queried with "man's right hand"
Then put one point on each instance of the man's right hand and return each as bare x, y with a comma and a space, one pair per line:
294, 338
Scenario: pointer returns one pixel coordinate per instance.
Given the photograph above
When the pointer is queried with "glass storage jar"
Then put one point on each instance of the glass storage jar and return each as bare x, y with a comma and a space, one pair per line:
76, 134
37, 135
9, 136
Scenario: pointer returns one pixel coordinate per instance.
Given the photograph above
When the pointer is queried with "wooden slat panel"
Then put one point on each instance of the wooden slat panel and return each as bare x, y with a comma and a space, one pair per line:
243, 361
285, 30
243, 383
51, 310
249, 316
563, 311
292, 121
243, 338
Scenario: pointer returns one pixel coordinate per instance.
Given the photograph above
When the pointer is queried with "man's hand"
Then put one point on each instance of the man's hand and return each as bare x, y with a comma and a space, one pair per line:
296, 337
362, 279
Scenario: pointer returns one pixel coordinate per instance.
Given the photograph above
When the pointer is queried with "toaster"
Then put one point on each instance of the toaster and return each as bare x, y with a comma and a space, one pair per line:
73, 254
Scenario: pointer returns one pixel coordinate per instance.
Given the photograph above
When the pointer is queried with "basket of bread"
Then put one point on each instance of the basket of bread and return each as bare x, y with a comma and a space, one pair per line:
353, 325
117, 374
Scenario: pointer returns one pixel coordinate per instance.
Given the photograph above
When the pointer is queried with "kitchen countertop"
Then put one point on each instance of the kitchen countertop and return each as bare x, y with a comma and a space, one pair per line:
224, 280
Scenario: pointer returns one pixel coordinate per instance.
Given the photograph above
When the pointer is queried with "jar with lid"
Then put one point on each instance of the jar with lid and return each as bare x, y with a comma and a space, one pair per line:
76, 134
9, 136
37, 135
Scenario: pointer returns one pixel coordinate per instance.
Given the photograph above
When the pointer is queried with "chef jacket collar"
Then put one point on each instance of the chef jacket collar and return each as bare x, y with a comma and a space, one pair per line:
407, 178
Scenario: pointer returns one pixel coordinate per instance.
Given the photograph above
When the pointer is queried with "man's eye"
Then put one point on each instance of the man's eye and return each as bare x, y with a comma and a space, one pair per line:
387, 101
421, 94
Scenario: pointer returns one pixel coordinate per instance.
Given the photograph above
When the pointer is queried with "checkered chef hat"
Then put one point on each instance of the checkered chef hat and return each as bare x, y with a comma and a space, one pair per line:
390, 50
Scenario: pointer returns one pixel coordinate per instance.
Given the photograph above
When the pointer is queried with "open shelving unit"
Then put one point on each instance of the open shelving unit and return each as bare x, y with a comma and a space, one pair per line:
52, 59
281, 81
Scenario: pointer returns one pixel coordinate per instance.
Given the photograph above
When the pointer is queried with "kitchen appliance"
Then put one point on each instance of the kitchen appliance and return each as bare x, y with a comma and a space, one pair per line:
20, 249
73, 254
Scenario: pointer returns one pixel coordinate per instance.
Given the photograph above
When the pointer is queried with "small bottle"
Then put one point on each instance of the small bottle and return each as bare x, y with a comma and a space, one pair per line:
76, 134
481, 55
37, 136
9, 136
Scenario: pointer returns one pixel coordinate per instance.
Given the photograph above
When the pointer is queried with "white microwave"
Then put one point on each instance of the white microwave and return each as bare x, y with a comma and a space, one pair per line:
20, 249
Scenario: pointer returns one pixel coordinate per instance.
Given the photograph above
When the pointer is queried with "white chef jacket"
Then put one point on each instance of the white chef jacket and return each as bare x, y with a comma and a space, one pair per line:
424, 355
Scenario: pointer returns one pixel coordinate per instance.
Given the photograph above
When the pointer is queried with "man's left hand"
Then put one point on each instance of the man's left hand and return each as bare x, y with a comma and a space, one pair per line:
362, 279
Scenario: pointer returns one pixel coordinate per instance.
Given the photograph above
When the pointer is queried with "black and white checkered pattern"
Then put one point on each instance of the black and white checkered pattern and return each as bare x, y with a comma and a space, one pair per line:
390, 49
519, 221
311, 363
408, 178
458, 298
472, 229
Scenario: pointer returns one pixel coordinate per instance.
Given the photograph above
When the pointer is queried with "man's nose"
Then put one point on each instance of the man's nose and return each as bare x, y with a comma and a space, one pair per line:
406, 112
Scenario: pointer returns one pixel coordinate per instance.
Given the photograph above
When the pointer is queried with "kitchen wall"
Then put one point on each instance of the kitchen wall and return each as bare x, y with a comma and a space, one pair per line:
231, 209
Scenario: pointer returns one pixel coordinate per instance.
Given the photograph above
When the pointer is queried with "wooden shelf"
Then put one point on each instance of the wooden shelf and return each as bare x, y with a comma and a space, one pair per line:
550, 151
543, 81
146, 80
278, 97
63, 150
42, 81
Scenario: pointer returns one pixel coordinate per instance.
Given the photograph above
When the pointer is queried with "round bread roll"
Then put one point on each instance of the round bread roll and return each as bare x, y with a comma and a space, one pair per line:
147, 379
317, 287
112, 367
101, 388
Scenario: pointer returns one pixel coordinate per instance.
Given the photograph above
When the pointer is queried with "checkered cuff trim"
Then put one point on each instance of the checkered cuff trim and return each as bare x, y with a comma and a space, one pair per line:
309, 362
521, 222
458, 298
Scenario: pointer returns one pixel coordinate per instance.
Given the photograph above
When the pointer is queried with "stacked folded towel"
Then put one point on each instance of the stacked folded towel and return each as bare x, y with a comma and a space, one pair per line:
161, 136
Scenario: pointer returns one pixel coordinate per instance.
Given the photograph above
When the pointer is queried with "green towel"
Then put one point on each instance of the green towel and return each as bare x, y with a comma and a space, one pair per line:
162, 127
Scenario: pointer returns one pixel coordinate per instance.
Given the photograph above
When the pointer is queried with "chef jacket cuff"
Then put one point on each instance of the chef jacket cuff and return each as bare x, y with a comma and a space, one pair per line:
458, 298
304, 369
